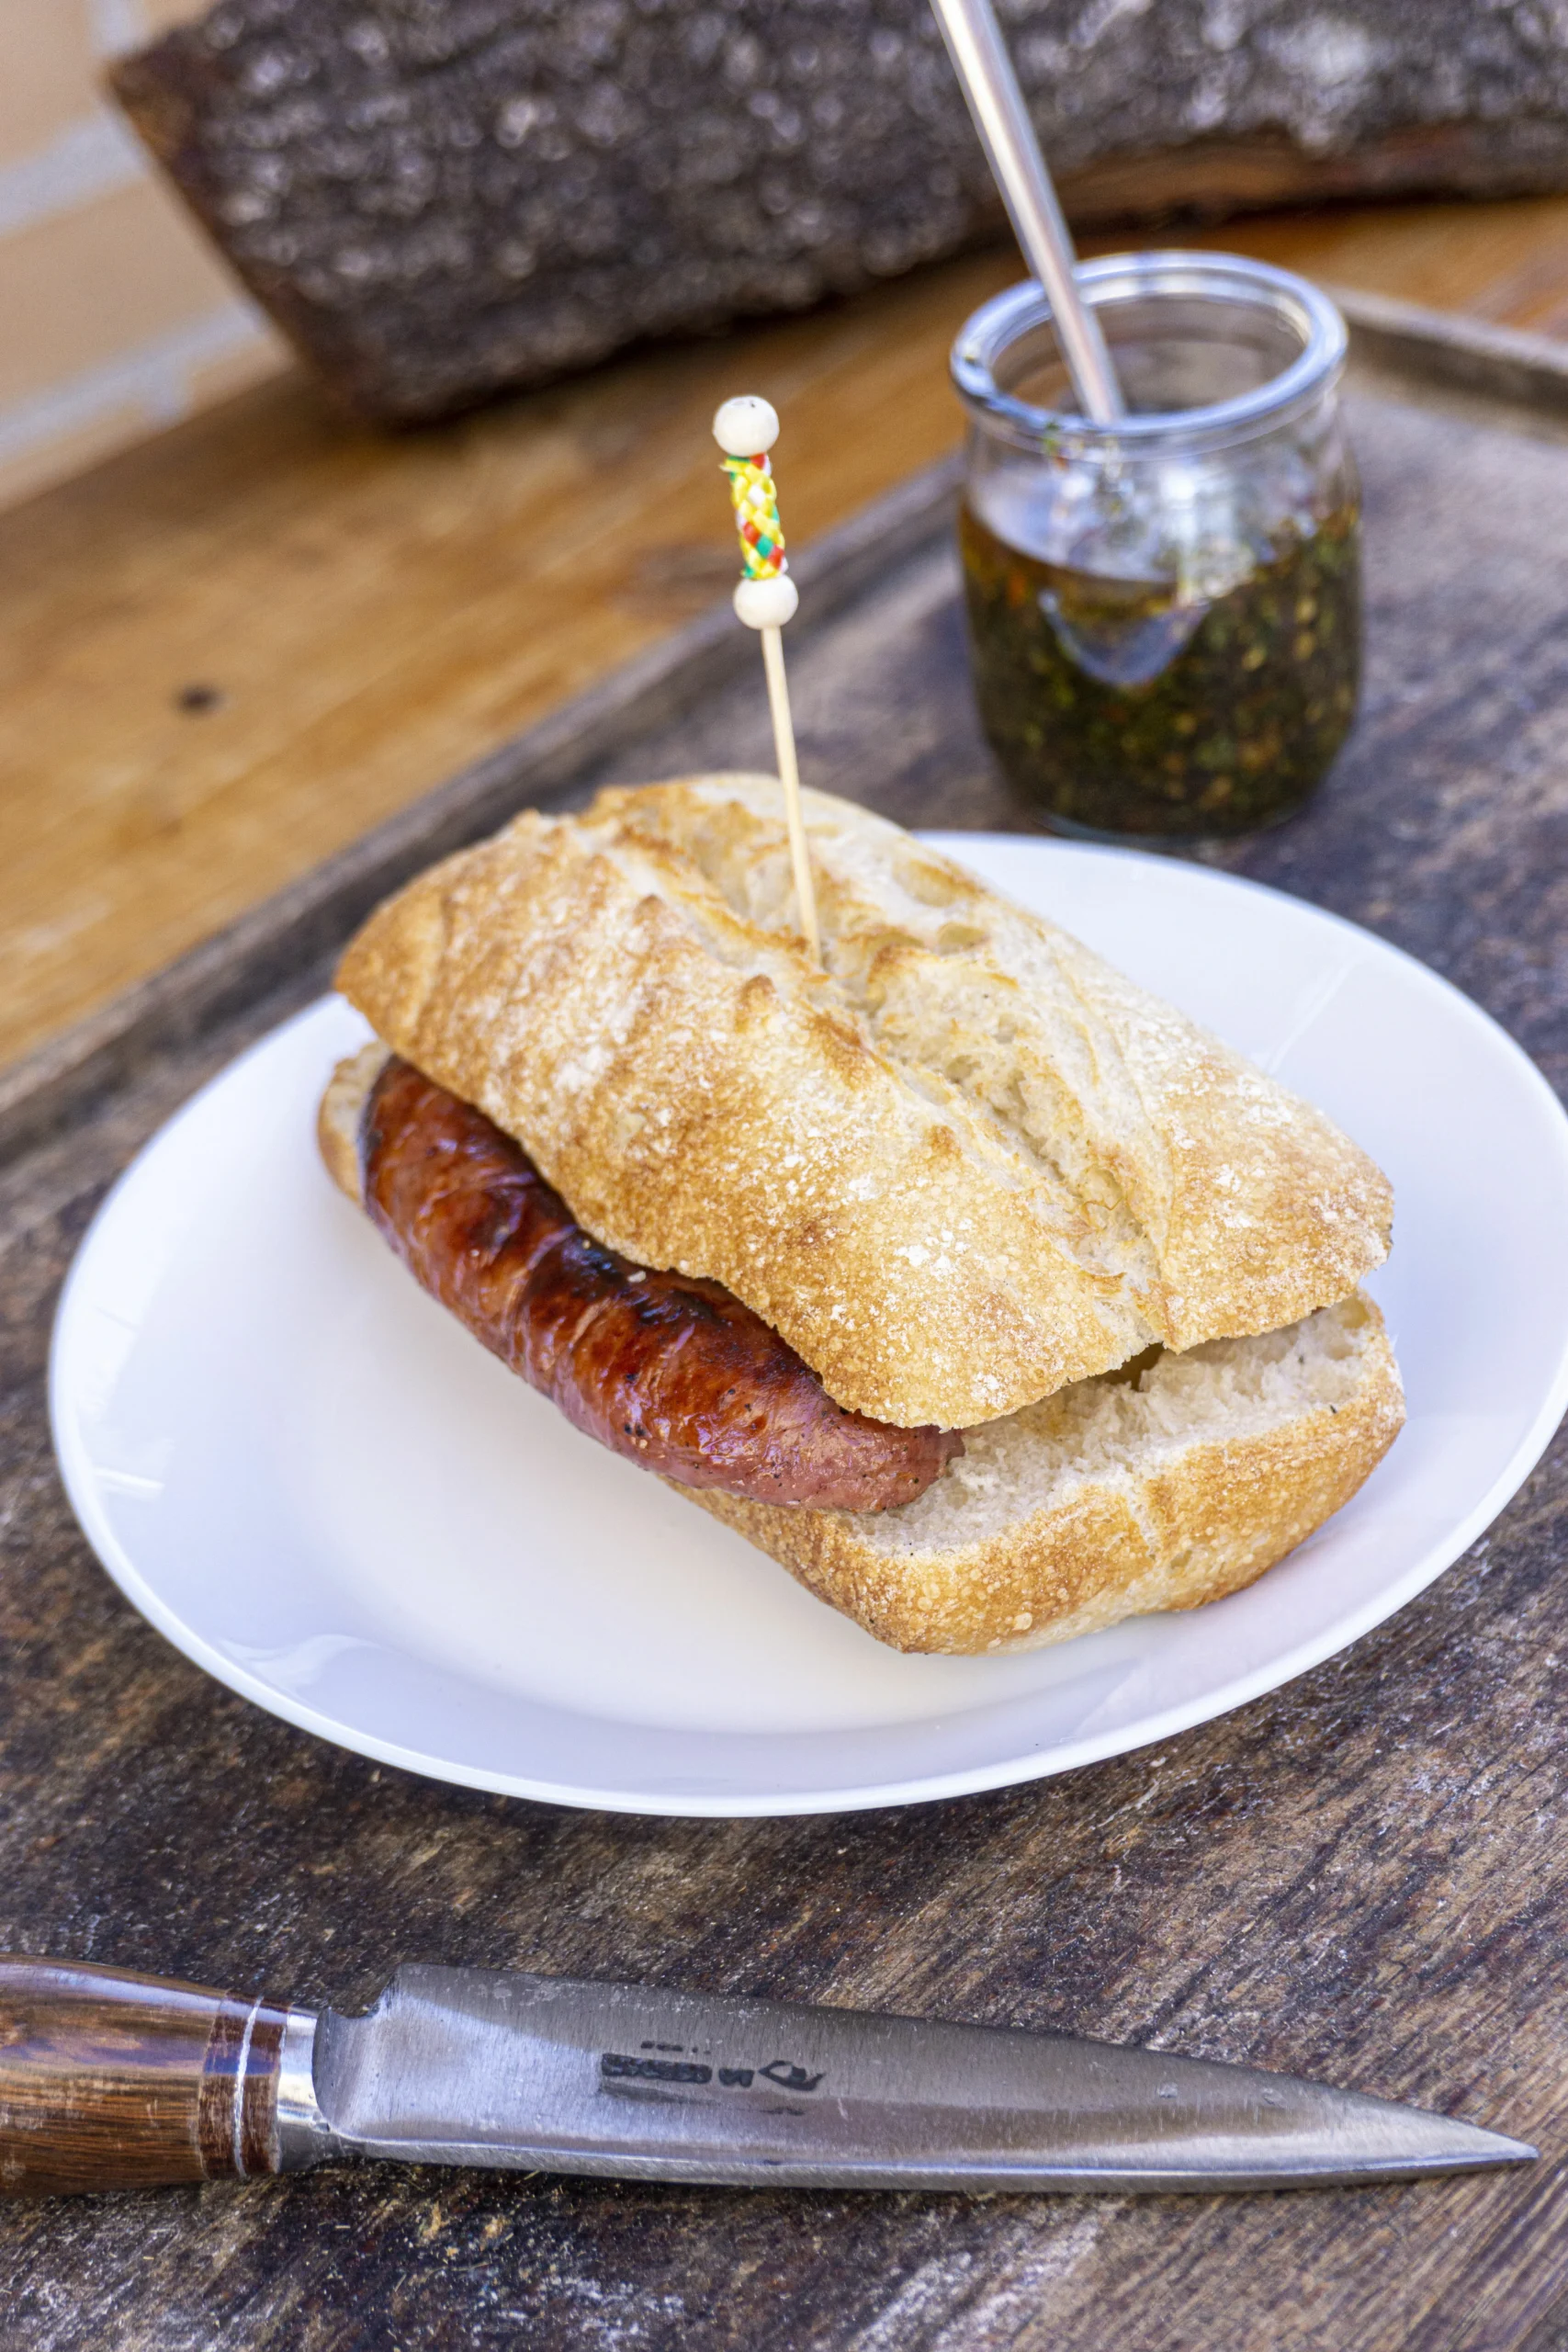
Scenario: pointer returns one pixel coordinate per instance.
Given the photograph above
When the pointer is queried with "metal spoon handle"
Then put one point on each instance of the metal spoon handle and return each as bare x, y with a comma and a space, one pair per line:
989, 84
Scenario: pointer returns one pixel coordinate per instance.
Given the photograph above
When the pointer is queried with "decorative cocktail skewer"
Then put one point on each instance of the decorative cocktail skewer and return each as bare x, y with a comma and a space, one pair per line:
765, 598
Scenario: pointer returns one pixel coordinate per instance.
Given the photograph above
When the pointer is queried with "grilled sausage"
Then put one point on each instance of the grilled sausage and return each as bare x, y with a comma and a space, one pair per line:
672, 1372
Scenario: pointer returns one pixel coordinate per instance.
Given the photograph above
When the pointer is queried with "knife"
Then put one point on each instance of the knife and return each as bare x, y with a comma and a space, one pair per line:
115, 2081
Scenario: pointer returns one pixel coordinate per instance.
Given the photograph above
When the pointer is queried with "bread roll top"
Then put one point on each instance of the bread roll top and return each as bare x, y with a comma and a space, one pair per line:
964, 1164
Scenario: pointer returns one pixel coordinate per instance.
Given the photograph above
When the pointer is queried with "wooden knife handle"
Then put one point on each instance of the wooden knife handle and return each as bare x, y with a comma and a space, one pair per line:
113, 2081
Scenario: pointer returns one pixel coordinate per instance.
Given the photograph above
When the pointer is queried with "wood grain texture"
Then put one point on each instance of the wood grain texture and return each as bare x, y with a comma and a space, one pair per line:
226, 654
1361, 1877
114, 2081
365, 614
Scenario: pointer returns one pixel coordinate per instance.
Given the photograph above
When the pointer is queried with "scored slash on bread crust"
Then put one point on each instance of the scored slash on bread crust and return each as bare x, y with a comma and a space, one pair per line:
1112, 1498
963, 1167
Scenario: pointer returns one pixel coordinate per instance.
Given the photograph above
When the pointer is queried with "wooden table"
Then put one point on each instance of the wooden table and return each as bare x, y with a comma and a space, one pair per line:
230, 651
1359, 1877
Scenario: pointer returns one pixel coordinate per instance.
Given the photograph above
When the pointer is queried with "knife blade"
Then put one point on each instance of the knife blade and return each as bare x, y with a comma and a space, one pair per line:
471, 2066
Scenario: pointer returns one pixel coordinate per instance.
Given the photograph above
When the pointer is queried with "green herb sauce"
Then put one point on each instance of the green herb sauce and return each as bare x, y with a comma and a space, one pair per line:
1124, 711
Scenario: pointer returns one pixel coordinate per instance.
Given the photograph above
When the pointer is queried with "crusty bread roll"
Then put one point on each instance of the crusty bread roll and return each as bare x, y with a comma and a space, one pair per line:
1158, 1486
342, 1108
962, 1167
1112, 1498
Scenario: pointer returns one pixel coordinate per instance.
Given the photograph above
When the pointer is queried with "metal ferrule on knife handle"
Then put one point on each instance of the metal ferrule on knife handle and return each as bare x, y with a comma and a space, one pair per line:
109, 2080
304, 2135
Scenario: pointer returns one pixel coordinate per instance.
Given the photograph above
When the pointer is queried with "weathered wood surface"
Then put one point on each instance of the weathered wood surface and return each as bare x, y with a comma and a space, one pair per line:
1362, 1877
368, 614
436, 202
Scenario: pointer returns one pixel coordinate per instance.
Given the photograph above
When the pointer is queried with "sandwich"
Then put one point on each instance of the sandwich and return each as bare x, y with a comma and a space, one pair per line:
982, 1290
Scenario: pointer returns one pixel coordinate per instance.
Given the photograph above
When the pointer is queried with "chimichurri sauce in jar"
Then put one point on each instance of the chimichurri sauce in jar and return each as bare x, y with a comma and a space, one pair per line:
1164, 611
1123, 708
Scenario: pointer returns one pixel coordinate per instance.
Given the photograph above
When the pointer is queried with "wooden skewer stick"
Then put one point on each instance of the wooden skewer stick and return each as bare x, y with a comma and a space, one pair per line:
789, 775
765, 599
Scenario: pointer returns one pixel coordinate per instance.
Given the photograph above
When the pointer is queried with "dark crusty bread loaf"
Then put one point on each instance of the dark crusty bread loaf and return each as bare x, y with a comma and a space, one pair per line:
966, 1165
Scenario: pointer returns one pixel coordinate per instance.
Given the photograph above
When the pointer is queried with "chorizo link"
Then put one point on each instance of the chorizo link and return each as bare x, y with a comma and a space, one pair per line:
671, 1371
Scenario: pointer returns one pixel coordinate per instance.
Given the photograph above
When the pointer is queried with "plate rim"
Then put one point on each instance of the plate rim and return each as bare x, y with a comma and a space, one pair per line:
1285, 1666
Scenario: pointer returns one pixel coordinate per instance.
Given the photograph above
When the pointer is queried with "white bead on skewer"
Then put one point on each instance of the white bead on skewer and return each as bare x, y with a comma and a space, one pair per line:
765, 599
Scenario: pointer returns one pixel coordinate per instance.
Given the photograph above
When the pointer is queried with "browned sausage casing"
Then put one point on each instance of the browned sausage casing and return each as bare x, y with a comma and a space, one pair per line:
672, 1372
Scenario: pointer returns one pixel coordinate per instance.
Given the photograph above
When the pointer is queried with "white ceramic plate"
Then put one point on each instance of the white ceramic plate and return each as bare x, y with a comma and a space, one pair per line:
307, 1476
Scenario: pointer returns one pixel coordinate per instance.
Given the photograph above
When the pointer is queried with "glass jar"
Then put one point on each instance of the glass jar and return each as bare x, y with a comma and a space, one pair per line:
1164, 613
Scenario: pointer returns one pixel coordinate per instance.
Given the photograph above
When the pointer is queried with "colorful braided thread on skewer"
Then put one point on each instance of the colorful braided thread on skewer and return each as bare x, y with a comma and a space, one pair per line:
756, 505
